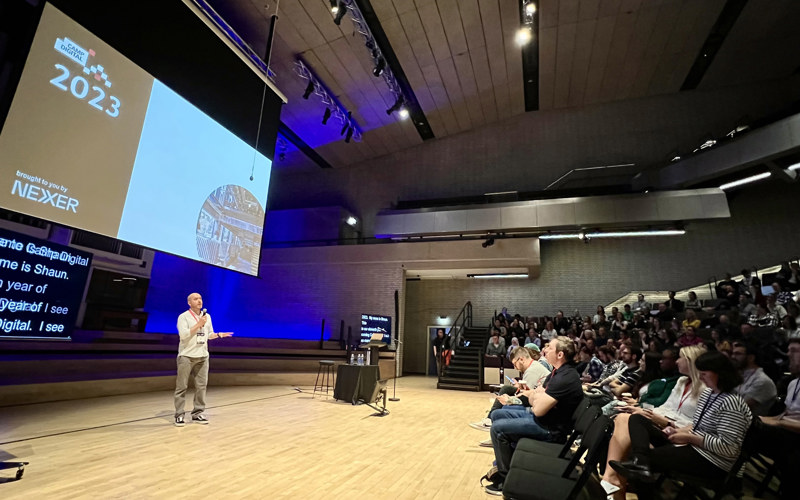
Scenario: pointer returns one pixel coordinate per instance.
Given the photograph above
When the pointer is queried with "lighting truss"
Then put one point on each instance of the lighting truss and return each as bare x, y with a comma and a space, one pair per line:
338, 111
381, 63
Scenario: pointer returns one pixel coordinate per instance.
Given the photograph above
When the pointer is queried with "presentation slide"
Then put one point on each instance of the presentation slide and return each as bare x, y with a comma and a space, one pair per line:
94, 142
372, 324
41, 286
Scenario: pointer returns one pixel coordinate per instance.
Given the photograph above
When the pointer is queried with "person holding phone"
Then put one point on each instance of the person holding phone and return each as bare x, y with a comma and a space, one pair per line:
194, 329
708, 447
677, 411
533, 374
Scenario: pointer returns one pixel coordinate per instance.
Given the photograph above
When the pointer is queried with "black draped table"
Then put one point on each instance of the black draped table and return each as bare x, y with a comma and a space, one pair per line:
354, 382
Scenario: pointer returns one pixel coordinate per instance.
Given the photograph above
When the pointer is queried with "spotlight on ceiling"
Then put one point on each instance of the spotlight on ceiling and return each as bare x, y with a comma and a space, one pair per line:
349, 135
524, 36
309, 89
351, 221
530, 9
346, 124
380, 65
398, 103
489, 242
334, 6
403, 113
341, 10
326, 115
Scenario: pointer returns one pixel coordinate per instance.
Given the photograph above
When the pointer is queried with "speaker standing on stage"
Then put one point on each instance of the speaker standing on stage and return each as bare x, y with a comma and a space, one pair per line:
195, 330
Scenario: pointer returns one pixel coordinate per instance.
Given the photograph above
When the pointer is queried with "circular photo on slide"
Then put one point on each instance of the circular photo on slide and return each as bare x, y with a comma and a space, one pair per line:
229, 229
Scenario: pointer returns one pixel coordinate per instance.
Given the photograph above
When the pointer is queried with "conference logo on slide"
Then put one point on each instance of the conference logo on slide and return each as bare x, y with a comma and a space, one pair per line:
79, 86
229, 229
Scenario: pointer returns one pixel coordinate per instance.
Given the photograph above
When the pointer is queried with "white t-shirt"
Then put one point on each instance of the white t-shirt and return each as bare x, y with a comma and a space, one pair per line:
535, 374
193, 346
680, 406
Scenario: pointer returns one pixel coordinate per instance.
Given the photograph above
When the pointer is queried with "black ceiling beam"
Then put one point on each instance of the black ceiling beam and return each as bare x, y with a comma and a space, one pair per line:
415, 112
302, 146
530, 62
727, 18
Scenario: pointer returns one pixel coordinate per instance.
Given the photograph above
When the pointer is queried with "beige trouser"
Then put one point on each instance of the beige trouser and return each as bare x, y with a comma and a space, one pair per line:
197, 369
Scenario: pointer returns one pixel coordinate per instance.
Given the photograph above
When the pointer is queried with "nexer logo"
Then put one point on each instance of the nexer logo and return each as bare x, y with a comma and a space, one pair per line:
42, 195
81, 56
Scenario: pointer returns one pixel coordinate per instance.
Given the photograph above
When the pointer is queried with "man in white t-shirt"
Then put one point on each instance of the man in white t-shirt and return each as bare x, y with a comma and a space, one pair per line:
533, 374
195, 330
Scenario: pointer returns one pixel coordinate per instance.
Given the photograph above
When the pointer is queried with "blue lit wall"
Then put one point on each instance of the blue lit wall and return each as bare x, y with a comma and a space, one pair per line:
235, 302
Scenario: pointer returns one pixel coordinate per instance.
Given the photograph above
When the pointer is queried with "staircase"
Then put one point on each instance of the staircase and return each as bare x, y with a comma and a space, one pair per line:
465, 372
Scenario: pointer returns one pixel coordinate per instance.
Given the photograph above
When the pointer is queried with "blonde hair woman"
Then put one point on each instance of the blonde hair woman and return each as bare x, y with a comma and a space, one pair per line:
678, 408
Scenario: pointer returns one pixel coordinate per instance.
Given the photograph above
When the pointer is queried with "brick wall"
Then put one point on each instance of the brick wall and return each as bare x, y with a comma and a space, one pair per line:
764, 229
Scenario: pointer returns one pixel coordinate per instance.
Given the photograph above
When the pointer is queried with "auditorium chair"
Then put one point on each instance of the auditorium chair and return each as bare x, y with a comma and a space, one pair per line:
538, 477
698, 487
584, 416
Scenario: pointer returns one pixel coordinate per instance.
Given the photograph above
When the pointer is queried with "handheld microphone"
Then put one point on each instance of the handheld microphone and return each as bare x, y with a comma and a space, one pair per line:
203, 312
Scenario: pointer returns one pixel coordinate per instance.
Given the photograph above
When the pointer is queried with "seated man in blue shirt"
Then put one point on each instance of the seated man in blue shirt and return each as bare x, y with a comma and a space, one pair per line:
549, 417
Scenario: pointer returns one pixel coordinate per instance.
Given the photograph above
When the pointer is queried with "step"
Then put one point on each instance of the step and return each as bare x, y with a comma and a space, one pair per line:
455, 387
459, 380
460, 370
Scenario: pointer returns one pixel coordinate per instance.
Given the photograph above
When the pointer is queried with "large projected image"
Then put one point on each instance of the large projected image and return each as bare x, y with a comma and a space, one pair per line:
94, 142
41, 286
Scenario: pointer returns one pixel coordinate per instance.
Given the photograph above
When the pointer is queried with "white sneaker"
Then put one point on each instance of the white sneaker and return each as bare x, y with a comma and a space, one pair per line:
486, 443
482, 425
609, 487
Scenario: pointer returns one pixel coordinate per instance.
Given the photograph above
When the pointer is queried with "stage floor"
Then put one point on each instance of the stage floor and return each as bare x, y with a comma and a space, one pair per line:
262, 442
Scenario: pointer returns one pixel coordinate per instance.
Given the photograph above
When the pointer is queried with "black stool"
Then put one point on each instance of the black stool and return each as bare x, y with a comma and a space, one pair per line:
326, 370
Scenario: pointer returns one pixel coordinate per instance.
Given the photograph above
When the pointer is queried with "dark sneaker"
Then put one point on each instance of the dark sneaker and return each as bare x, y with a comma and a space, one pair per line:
495, 489
199, 419
179, 421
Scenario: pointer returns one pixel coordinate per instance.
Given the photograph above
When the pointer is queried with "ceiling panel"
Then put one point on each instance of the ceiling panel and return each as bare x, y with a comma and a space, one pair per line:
462, 63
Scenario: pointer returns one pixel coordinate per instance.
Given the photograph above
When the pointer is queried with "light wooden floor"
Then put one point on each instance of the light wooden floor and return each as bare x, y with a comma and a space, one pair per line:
263, 442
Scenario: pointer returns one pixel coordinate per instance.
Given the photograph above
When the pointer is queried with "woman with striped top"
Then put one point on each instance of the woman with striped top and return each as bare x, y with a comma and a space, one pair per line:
677, 410
714, 438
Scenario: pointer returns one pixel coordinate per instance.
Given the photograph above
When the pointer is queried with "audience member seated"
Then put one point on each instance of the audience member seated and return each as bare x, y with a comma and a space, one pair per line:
714, 438
751, 285
692, 302
532, 338
601, 313
762, 318
664, 315
561, 323
498, 323
594, 366
775, 309
627, 313
532, 376
722, 286
725, 329
618, 325
677, 410
780, 437
549, 331
496, 346
536, 353
549, 416
691, 319
757, 389
625, 380
689, 337
514, 346
642, 306
782, 297
673, 303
